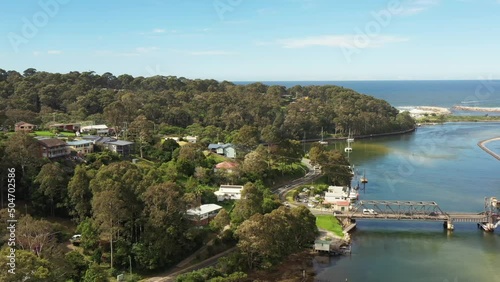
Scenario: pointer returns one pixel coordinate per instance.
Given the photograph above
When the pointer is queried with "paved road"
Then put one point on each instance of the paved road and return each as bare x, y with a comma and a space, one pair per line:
206, 263
310, 176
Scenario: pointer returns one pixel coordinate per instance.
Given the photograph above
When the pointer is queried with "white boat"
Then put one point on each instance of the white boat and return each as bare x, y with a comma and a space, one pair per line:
353, 195
322, 142
349, 140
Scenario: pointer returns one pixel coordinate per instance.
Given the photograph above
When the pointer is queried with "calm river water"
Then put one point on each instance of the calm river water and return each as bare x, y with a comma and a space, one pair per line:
436, 163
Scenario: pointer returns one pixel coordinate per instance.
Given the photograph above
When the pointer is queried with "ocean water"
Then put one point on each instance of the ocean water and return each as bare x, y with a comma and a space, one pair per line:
440, 93
439, 163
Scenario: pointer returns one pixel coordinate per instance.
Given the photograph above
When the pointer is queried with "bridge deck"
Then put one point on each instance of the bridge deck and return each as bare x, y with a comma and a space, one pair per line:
455, 217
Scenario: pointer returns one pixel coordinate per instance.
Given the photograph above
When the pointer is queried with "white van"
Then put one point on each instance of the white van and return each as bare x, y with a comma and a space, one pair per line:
369, 211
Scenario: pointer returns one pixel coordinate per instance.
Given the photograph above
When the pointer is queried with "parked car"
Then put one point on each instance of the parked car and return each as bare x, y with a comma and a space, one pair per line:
76, 239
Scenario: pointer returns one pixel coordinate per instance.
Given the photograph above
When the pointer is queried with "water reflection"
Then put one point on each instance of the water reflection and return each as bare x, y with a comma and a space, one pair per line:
440, 163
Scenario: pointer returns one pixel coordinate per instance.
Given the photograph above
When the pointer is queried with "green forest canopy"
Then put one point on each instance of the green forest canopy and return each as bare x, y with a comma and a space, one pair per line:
39, 97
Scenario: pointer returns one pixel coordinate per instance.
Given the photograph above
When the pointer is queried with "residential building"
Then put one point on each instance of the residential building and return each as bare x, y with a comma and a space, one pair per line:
229, 192
322, 246
81, 147
24, 126
336, 193
99, 128
175, 138
191, 139
98, 140
226, 150
53, 148
121, 147
229, 167
66, 126
203, 214
341, 206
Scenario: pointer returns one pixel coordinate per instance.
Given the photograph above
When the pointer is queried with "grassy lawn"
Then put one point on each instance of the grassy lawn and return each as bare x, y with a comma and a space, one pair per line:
50, 134
330, 223
217, 158
227, 205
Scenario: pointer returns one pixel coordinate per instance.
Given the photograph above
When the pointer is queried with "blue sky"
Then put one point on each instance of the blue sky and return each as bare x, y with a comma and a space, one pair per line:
255, 39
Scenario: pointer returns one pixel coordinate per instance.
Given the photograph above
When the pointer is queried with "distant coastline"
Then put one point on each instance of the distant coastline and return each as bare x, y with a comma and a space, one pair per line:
477, 109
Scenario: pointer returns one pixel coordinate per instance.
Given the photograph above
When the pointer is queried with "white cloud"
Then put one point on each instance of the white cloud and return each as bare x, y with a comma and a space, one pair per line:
36, 53
345, 41
413, 7
159, 30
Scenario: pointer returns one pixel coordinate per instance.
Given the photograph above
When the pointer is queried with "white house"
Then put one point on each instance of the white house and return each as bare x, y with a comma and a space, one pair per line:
175, 138
203, 214
99, 128
191, 139
336, 193
229, 192
226, 150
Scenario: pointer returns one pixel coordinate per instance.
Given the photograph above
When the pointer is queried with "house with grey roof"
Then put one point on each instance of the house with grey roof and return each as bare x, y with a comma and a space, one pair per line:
81, 147
228, 150
121, 147
203, 214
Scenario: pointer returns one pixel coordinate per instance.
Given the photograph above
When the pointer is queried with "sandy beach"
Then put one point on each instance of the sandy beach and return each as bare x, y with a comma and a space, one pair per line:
418, 111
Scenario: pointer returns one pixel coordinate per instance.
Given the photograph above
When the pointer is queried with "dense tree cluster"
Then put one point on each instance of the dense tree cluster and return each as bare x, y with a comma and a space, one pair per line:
40, 97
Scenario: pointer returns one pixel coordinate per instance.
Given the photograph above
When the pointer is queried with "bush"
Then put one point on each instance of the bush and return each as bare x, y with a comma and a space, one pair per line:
133, 277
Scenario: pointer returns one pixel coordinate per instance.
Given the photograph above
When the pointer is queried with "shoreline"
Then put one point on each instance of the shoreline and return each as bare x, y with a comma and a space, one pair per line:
477, 109
482, 145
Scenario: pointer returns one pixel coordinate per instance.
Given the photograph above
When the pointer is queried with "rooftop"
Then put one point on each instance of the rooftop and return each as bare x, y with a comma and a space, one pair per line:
203, 209
23, 123
226, 165
98, 126
216, 146
120, 143
231, 186
78, 142
52, 142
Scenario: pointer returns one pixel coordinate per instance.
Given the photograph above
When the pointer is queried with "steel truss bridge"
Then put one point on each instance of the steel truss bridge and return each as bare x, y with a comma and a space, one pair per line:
421, 210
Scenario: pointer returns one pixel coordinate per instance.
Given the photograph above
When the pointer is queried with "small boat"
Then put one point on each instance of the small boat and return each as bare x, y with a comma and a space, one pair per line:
353, 195
322, 142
